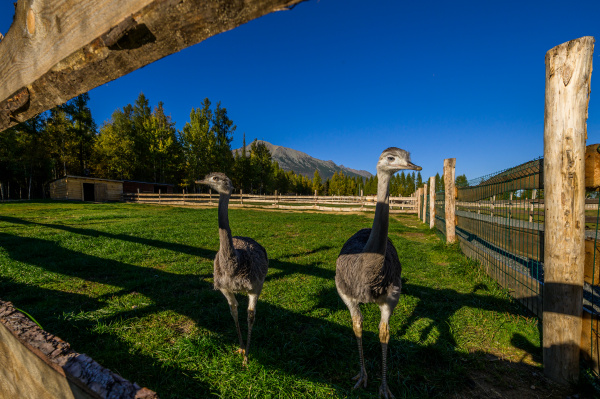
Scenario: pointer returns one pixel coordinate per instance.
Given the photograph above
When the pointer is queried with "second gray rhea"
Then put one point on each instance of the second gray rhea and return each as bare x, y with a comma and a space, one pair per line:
241, 263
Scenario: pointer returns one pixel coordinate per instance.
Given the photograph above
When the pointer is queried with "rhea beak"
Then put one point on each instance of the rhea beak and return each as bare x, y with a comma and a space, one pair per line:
201, 182
413, 166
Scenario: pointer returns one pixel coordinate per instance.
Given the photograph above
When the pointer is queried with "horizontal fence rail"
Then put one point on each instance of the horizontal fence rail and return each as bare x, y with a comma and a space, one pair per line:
300, 202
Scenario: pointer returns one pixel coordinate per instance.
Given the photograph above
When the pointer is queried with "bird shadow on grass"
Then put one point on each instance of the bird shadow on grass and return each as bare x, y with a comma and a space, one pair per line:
181, 248
318, 349
74, 316
286, 268
424, 357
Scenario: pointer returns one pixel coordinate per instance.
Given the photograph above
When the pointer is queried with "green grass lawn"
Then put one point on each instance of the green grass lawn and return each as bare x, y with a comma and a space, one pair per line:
131, 286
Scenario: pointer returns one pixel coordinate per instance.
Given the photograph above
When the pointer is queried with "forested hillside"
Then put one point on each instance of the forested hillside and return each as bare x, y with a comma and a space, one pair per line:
141, 142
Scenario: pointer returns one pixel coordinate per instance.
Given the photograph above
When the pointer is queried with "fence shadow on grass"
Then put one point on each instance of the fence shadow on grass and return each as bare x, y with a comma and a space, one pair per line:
114, 353
307, 347
185, 294
173, 246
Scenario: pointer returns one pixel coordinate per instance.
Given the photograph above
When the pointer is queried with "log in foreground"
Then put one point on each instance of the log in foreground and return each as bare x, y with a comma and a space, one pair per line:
58, 49
37, 364
568, 78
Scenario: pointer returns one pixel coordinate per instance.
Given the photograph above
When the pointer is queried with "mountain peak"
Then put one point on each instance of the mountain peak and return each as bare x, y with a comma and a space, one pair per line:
304, 164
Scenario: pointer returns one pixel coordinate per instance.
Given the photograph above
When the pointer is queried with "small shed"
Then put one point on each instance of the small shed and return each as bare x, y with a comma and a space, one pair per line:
133, 187
86, 189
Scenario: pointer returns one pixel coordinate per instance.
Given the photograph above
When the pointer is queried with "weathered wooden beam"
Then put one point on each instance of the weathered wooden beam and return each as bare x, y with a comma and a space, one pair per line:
58, 49
424, 211
450, 202
568, 80
432, 202
592, 166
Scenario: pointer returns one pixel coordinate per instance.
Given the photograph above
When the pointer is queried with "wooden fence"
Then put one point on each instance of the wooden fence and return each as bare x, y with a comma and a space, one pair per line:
542, 250
287, 202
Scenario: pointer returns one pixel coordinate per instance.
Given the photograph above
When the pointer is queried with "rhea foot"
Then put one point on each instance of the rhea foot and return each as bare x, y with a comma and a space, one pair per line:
241, 350
361, 378
384, 392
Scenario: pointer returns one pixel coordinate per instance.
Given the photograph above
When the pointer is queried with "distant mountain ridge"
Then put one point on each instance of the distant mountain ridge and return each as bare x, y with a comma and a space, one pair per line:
303, 164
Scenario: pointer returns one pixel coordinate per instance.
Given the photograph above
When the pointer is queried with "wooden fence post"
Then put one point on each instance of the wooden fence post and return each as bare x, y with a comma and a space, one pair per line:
425, 193
531, 207
241, 197
419, 208
449, 171
568, 76
432, 202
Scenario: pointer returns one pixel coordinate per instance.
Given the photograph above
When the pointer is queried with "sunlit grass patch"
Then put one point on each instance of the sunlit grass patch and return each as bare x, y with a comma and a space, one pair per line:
131, 285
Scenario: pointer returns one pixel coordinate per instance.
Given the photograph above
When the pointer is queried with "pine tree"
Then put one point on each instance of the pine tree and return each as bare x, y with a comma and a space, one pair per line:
317, 183
261, 165
438, 182
419, 182
82, 131
198, 144
222, 129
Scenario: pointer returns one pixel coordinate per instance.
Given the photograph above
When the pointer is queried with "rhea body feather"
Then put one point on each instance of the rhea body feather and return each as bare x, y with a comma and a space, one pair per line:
241, 263
243, 272
366, 276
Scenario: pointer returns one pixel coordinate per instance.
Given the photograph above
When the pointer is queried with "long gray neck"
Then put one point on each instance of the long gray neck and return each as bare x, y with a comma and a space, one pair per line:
377, 242
225, 238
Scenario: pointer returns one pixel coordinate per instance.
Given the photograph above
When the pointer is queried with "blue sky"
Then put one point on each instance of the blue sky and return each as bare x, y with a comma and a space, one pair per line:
343, 80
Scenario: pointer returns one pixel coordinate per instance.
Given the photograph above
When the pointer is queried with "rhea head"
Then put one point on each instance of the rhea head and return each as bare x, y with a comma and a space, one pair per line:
217, 181
394, 159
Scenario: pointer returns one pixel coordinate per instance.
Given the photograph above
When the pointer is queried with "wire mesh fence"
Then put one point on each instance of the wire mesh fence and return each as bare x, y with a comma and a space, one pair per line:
591, 290
500, 223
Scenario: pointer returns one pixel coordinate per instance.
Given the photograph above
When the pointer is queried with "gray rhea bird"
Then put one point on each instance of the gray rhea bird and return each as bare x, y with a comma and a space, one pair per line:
241, 263
368, 269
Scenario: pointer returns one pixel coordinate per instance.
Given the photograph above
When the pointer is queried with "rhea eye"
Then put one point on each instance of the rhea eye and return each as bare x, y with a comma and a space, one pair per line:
391, 159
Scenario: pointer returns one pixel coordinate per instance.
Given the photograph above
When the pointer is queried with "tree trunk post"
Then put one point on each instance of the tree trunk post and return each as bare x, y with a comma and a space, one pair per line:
568, 76
449, 171
425, 193
419, 208
432, 202
531, 207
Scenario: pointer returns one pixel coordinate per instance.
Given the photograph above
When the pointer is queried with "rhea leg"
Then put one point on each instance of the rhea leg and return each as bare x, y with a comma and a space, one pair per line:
384, 337
233, 305
252, 300
357, 321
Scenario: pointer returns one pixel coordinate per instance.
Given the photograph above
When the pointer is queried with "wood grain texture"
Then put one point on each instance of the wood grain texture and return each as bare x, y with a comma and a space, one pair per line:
568, 78
592, 166
37, 364
419, 205
424, 211
58, 49
432, 202
449, 172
